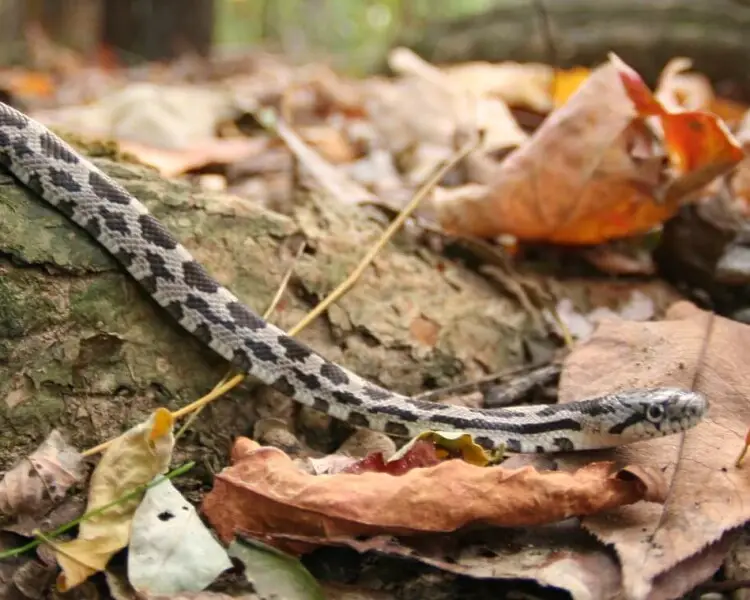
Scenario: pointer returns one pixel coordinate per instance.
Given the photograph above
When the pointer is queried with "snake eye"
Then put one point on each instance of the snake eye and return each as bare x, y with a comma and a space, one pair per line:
655, 413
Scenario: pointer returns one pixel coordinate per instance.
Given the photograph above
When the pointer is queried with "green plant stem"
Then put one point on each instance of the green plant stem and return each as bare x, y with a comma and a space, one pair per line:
97, 511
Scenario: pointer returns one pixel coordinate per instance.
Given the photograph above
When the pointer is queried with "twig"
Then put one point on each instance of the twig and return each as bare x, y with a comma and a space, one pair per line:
352, 279
341, 289
97, 511
387, 235
478, 384
515, 389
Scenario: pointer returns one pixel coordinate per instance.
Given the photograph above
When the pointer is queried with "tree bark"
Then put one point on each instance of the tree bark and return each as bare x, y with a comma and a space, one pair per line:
644, 33
11, 31
83, 349
158, 29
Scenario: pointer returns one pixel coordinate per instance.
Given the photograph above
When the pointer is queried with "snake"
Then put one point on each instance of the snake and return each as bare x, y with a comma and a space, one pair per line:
56, 173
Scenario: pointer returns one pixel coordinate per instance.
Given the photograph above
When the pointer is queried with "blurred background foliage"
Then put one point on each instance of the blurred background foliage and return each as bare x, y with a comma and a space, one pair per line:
353, 34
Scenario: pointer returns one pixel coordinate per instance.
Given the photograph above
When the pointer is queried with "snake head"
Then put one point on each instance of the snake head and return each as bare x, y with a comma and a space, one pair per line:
657, 412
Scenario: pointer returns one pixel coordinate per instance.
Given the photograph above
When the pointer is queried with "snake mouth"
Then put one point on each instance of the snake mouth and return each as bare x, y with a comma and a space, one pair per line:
697, 406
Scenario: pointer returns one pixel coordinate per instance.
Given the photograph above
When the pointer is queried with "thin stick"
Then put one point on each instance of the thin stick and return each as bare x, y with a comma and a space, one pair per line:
97, 511
387, 235
342, 288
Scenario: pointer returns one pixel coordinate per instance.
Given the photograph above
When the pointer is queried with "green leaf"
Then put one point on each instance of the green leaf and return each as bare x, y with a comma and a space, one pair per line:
274, 573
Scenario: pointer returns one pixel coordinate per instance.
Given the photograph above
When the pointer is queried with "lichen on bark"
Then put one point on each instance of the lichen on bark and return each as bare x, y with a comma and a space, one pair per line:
82, 348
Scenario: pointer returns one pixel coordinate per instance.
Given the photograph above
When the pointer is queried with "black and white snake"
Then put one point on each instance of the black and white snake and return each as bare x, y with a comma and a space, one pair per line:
169, 274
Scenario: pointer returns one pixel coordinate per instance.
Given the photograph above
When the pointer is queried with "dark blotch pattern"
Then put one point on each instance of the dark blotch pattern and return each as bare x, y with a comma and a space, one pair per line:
334, 374
311, 382
261, 350
34, 183
283, 386
376, 393
636, 417
400, 412
199, 305
203, 333
175, 309
242, 361
346, 398
149, 283
56, 148
197, 278
108, 189
564, 444
397, 429
294, 350
13, 118
245, 317
93, 227
21, 149
125, 258
115, 221
357, 419
513, 445
158, 266
321, 404
5, 142
155, 233
485, 442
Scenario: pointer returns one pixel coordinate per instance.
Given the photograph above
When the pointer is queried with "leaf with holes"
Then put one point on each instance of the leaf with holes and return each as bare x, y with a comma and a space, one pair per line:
171, 551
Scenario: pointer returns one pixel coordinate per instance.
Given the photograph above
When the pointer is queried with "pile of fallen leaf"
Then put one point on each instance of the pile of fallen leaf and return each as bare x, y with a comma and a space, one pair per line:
610, 161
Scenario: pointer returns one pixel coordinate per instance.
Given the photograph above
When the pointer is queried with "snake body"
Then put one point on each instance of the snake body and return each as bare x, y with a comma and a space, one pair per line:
171, 276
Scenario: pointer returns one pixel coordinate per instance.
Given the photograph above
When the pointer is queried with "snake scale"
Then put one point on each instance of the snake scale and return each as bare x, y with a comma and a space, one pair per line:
170, 275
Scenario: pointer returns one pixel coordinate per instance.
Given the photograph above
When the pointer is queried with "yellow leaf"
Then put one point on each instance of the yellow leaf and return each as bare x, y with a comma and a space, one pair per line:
134, 459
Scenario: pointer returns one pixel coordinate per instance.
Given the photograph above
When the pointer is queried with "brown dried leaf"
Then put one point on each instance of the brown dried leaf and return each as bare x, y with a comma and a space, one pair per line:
40, 481
263, 491
593, 172
708, 495
561, 556
333, 180
171, 162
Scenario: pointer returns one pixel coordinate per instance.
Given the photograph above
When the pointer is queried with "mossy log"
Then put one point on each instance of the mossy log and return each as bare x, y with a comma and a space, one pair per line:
85, 350
644, 33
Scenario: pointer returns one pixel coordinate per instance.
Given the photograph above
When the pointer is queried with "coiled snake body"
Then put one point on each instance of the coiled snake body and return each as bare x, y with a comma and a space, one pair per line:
170, 275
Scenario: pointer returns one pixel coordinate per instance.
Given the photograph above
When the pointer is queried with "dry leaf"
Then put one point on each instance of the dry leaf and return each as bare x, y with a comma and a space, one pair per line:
561, 556
171, 550
678, 89
592, 172
709, 495
420, 454
567, 82
333, 180
470, 97
526, 85
171, 162
133, 459
264, 492
40, 481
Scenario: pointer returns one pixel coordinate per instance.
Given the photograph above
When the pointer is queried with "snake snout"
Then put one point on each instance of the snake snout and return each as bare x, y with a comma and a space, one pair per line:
694, 405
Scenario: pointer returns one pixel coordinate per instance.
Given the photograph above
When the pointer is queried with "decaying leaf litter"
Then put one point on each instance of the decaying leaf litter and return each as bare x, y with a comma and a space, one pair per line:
614, 179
